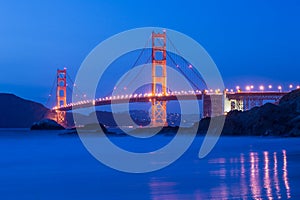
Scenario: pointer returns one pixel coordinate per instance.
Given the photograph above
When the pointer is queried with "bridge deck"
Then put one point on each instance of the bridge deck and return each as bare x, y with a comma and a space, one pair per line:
273, 95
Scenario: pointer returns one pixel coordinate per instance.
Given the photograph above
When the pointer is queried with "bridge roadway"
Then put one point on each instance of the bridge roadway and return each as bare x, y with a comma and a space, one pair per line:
259, 95
110, 100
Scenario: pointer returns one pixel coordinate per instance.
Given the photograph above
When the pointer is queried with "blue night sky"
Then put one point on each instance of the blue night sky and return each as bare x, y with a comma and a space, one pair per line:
251, 41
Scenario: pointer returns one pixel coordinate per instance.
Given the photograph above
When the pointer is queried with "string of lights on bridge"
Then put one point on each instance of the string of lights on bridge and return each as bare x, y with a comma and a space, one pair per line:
248, 88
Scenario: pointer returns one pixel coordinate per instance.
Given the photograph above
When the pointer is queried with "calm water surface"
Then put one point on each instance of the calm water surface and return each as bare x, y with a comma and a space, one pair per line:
45, 165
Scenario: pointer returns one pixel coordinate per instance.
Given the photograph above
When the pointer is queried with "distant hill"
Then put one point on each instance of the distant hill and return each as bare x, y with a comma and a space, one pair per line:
16, 112
138, 117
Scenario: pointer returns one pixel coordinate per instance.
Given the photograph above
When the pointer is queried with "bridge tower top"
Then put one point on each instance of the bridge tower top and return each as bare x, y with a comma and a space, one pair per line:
61, 88
159, 71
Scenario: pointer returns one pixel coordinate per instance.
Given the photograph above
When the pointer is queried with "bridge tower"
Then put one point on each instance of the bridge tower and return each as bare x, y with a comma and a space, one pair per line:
61, 95
159, 78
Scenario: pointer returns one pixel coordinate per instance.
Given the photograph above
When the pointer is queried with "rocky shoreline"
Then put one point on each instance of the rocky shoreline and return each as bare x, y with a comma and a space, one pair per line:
270, 119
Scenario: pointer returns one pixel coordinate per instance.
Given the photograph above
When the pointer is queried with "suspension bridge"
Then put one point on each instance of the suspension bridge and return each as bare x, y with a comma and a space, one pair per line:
159, 94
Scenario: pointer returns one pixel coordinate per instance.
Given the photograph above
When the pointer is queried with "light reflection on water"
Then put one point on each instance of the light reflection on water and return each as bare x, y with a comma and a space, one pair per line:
285, 175
257, 175
162, 190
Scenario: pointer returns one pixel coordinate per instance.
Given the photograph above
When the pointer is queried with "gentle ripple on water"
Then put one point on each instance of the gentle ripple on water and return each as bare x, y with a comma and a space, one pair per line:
43, 165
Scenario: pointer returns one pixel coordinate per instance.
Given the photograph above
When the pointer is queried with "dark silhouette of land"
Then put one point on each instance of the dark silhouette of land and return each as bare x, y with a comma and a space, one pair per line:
270, 119
16, 112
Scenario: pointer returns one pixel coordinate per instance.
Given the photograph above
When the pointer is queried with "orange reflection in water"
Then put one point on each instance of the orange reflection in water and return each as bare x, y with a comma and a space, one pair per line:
163, 190
275, 176
267, 179
260, 176
254, 175
257, 175
285, 175
244, 188
271, 176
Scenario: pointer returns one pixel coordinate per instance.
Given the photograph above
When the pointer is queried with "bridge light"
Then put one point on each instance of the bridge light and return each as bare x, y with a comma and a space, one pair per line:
279, 88
190, 66
248, 88
261, 87
298, 86
290, 86
270, 86
237, 87
231, 90
251, 86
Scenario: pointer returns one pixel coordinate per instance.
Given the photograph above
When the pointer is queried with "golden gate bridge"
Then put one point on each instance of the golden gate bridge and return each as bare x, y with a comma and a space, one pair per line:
159, 94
